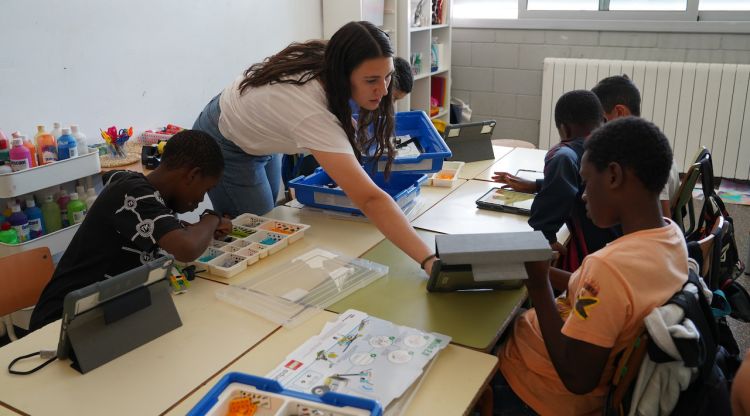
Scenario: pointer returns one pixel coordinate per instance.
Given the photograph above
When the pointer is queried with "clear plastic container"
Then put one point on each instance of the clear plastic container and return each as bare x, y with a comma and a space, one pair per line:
292, 293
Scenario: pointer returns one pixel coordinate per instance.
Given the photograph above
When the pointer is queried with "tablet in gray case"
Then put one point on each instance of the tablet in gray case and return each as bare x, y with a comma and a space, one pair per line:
470, 142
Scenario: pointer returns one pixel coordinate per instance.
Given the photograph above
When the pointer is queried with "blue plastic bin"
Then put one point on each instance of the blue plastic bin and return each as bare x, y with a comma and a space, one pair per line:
278, 397
417, 125
312, 190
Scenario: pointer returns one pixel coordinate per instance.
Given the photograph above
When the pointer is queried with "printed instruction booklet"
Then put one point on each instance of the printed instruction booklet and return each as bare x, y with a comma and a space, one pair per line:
360, 355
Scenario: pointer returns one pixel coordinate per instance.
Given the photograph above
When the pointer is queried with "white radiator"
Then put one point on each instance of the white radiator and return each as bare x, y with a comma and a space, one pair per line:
695, 104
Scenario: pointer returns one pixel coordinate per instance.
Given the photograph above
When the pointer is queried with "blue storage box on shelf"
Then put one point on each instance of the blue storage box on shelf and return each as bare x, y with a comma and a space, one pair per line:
318, 190
272, 399
433, 150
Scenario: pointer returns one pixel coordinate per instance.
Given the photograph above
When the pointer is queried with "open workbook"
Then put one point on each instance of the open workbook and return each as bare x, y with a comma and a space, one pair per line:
363, 356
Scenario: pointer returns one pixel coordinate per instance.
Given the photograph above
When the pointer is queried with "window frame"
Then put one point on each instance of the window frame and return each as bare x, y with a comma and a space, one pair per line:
689, 20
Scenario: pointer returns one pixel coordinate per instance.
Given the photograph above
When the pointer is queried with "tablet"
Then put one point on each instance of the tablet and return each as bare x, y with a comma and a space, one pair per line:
505, 200
531, 175
451, 278
85, 299
470, 142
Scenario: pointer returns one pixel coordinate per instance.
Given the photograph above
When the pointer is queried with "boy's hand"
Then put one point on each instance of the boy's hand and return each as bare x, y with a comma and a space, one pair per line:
561, 249
538, 272
224, 228
515, 183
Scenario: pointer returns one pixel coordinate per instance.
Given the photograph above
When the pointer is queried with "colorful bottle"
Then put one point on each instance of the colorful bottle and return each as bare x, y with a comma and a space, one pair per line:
51, 215
56, 130
7, 234
66, 145
32, 150
62, 202
46, 146
20, 223
34, 215
20, 158
76, 209
39, 131
4, 148
80, 141
90, 197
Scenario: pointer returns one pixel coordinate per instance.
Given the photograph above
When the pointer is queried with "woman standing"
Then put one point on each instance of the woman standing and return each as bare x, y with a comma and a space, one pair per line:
298, 100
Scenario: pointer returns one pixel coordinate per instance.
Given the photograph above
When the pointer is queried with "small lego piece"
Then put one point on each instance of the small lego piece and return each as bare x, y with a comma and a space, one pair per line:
179, 283
241, 406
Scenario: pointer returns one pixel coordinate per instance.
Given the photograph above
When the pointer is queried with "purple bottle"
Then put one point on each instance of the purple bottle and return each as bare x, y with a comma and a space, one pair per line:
20, 223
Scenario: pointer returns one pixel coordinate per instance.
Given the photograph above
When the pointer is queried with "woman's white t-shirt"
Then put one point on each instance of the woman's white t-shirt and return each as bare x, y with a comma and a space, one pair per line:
281, 118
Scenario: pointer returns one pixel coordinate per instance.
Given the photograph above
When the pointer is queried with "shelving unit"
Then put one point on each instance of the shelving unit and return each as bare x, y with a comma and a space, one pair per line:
397, 20
13, 185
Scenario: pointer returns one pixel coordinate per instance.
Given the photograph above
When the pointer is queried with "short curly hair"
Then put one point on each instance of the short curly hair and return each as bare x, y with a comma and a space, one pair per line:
618, 89
633, 143
579, 107
193, 149
402, 76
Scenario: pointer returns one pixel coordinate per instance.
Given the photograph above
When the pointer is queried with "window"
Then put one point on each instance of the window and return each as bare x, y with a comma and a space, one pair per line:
632, 10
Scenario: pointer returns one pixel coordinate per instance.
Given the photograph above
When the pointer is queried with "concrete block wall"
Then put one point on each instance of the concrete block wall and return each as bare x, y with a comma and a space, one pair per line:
498, 72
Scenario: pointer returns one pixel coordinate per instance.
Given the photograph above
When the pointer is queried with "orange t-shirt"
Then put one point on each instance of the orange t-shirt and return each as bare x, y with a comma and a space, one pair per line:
607, 300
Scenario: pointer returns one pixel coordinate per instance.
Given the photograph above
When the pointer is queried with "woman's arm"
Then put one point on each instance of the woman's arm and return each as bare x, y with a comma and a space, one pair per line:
377, 205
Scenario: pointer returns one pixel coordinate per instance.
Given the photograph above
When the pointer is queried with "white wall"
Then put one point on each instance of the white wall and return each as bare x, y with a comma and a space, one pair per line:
143, 63
499, 72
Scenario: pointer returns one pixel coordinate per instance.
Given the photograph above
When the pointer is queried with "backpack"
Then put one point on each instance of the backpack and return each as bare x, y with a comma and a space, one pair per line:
726, 265
708, 392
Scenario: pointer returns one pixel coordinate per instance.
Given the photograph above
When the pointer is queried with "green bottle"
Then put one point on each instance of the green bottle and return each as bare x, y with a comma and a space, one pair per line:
51, 215
7, 234
76, 209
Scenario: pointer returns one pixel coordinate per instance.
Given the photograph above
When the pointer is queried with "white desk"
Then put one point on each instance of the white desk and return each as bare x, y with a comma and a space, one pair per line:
351, 236
450, 387
471, 169
519, 158
458, 214
145, 381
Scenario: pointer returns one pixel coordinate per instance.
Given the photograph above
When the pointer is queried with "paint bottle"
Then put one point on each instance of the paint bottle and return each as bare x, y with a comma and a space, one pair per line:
90, 197
34, 215
66, 145
62, 202
4, 148
46, 146
20, 158
20, 223
8, 234
76, 209
80, 140
56, 130
51, 215
32, 150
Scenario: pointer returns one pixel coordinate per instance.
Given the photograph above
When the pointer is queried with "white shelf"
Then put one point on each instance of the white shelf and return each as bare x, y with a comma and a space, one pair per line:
30, 180
440, 114
57, 242
438, 72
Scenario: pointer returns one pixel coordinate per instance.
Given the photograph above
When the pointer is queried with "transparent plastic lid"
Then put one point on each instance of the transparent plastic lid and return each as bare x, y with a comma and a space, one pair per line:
291, 294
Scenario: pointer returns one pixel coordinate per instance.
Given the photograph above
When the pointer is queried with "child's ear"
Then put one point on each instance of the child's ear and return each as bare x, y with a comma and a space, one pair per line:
622, 110
615, 175
193, 175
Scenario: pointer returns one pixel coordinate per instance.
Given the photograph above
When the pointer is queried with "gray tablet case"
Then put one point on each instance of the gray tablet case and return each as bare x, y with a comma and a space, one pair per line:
132, 314
470, 142
485, 261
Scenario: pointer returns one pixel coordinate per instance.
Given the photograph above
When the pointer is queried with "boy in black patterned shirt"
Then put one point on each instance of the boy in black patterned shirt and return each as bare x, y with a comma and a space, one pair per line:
134, 221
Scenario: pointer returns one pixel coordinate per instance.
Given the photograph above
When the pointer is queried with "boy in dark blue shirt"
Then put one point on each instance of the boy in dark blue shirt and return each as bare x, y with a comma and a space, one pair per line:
558, 199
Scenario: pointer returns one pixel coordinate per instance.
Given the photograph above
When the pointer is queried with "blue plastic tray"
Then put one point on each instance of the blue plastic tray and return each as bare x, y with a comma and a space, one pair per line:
417, 125
272, 386
313, 191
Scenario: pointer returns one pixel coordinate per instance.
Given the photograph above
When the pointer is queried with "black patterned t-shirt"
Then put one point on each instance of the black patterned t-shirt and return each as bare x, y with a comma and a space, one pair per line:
120, 232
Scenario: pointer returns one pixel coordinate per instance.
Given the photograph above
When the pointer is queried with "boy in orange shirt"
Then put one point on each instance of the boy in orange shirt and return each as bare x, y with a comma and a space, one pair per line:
559, 358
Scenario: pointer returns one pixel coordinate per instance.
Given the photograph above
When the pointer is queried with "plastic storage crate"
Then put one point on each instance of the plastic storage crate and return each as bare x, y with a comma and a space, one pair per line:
434, 150
271, 399
318, 190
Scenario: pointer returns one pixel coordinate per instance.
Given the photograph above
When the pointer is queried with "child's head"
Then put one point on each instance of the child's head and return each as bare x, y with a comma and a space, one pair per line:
626, 164
619, 97
195, 163
577, 114
403, 79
